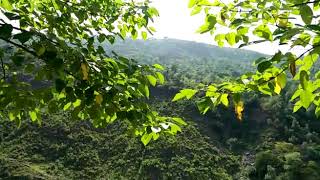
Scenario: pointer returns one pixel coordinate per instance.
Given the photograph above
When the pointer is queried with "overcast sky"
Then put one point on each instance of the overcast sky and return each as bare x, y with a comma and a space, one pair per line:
175, 22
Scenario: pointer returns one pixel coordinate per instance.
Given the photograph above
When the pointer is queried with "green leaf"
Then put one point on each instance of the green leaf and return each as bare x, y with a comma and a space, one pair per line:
192, 3
196, 10
33, 116
185, 93
224, 100
101, 38
237, 22
111, 39
303, 40
146, 89
313, 27
174, 128
209, 24
76, 103
152, 80
306, 98
219, 38
160, 77
304, 79
204, 105
242, 30
144, 35
264, 66
263, 31
23, 37
297, 106
67, 106
281, 79
146, 138
178, 96
231, 38
296, 94
306, 14
11, 116
179, 120
189, 93
6, 31
277, 57
12, 16
5, 4
41, 50
158, 66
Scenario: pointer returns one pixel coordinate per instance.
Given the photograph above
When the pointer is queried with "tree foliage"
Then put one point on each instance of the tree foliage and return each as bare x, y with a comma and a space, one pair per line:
58, 44
292, 23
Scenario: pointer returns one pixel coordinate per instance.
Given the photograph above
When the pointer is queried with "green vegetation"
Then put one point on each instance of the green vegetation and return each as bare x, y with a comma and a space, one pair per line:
78, 103
269, 143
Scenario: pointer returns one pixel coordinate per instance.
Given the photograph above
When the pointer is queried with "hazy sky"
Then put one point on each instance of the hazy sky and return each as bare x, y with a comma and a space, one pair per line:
175, 22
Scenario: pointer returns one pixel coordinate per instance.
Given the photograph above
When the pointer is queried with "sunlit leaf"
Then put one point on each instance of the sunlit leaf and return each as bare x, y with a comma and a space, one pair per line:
152, 80
225, 100
304, 79
33, 115
239, 107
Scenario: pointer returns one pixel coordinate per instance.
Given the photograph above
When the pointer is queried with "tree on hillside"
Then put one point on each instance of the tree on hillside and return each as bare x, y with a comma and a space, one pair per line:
52, 58
293, 23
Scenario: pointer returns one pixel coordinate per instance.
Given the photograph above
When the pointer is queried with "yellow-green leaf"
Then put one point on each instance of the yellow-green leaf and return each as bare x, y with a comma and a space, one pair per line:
85, 71
144, 35
160, 77
306, 98
239, 109
146, 138
280, 81
5, 4
77, 103
33, 116
67, 106
152, 80
224, 99
158, 66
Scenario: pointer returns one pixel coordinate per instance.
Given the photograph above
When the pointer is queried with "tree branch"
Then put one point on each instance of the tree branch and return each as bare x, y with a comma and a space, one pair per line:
305, 3
286, 68
20, 46
34, 32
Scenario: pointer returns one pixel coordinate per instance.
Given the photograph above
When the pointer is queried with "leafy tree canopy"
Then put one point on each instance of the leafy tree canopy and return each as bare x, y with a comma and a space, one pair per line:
292, 23
58, 63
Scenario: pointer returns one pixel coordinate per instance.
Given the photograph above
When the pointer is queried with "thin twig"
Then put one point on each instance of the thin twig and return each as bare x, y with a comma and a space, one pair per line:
3, 69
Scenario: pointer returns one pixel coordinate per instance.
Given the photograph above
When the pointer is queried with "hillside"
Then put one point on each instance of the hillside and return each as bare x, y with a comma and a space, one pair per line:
188, 63
269, 143
166, 49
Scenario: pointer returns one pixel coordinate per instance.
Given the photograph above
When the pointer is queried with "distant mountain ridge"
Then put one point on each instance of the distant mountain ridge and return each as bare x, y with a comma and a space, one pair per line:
174, 48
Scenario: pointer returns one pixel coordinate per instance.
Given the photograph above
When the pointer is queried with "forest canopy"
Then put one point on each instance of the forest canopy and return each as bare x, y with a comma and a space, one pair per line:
59, 45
